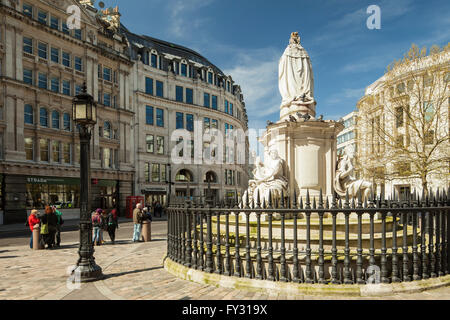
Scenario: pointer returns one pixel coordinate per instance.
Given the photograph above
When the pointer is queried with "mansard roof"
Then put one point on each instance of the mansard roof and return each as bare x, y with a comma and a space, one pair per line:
166, 48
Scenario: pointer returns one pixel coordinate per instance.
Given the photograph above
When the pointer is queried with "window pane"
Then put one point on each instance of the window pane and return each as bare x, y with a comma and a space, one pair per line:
65, 28
66, 87
77, 34
78, 64
28, 76
159, 89
55, 55
67, 126
180, 120
29, 149
150, 144
28, 45
160, 117
206, 100
184, 70
160, 145
42, 50
27, 10
107, 99
43, 117
29, 114
66, 59
189, 96
155, 172
54, 23
107, 130
214, 102
149, 86
55, 120
66, 153
44, 150
149, 115
55, 85
179, 94
190, 122
107, 74
154, 60
42, 17
56, 151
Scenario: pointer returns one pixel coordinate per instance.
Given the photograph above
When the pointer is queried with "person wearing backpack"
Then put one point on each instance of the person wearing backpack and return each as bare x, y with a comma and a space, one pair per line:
97, 224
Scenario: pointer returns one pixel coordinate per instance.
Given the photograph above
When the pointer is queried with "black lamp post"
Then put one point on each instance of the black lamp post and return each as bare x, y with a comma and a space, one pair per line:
85, 115
170, 183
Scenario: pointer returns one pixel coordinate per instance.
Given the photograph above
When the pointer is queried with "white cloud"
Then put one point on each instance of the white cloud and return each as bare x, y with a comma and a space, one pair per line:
346, 95
183, 19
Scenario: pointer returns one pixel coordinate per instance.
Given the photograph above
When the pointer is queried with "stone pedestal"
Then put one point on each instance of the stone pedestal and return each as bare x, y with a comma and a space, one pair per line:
309, 149
147, 231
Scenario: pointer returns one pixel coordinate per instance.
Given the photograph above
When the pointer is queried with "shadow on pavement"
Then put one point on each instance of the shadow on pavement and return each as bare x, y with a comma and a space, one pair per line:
9, 257
115, 275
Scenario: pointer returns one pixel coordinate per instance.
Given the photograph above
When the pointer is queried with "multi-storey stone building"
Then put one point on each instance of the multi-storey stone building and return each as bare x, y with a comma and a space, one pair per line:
403, 126
175, 88
45, 57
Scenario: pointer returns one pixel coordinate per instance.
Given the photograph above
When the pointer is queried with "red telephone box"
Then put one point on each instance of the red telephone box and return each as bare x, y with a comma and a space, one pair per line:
131, 205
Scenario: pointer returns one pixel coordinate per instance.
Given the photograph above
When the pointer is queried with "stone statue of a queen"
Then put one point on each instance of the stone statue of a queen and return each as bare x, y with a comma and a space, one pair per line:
296, 80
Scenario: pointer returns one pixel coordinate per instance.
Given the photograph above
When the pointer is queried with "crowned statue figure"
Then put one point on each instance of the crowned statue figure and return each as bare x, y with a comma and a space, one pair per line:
296, 80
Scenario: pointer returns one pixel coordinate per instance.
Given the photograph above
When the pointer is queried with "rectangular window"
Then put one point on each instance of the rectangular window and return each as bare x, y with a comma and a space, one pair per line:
77, 34
206, 123
28, 76
149, 86
163, 173
147, 172
226, 107
155, 172
66, 122
42, 81
177, 67
231, 109
27, 10
44, 150
54, 23
180, 120
28, 113
78, 64
214, 124
160, 145
66, 87
28, 45
190, 122
149, 115
179, 94
206, 100
159, 89
214, 102
66, 153
55, 85
189, 96
107, 74
150, 141
399, 117
107, 99
66, 59
42, 17
210, 77
107, 158
42, 50
77, 89
65, 28
154, 61
56, 151
54, 55
160, 118
191, 148
184, 70
29, 149
428, 111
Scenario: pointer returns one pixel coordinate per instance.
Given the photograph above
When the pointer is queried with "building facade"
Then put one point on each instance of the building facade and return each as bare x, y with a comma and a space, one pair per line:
403, 127
46, 54
348, 136
178, 90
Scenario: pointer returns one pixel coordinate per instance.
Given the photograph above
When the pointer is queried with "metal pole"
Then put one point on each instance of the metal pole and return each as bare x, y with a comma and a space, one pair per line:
87, 270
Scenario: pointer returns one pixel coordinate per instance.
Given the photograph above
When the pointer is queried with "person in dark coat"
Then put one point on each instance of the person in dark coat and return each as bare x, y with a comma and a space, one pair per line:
52, 220
113, 224
158, 209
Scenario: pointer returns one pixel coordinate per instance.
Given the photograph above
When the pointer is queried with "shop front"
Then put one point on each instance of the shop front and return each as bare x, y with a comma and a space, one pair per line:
155, 194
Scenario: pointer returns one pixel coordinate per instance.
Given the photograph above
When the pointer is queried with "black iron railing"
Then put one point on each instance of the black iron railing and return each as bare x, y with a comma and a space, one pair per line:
338, 241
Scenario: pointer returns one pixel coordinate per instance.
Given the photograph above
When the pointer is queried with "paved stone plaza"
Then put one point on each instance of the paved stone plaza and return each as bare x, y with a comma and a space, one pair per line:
133, 272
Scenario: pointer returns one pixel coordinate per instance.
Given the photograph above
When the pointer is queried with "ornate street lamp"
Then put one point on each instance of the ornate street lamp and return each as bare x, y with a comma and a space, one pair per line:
85, 115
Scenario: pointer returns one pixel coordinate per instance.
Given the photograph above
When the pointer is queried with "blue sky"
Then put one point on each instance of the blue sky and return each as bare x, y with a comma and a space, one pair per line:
246, 38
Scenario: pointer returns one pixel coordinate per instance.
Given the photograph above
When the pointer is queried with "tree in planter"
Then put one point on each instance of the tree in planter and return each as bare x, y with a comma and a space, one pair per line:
405, 120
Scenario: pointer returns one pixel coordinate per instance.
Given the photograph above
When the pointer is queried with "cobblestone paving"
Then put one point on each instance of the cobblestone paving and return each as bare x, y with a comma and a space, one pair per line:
132, 271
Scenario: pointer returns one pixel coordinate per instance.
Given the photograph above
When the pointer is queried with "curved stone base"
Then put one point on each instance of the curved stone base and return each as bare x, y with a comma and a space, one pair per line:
290, 288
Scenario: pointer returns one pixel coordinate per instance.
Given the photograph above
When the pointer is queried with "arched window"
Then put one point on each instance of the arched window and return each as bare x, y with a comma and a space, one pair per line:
55, 119
107, 130
184, 176
43, 117
211, 176
29, 114
66, 120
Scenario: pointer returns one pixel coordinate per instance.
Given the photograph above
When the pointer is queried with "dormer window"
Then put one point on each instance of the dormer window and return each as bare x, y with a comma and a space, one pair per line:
210, 77
154, 60
184, 70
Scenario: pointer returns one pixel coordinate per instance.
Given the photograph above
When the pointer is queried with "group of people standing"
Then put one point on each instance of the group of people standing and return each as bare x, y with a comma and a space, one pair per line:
102, 221
49, 222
